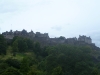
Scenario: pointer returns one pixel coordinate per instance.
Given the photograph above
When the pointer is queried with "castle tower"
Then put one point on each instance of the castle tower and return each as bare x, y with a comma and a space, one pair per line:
85, 39
31, 34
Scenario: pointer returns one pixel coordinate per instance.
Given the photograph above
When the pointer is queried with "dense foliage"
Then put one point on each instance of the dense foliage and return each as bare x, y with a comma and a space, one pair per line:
3, 45
48, 60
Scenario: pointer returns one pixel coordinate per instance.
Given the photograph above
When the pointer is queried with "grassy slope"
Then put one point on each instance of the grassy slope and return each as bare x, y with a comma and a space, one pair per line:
18, 56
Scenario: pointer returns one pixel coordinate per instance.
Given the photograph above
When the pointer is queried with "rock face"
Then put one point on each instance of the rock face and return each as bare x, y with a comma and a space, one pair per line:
46, 40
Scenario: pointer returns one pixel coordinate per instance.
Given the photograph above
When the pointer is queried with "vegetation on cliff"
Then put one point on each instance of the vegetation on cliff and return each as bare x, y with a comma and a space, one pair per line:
23, 56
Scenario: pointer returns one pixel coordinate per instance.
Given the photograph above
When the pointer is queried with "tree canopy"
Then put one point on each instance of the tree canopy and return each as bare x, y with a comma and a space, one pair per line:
34, 59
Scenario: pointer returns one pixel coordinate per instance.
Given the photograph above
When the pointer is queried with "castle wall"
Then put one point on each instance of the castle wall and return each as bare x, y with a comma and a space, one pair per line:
44, 38
85, 39
9, 36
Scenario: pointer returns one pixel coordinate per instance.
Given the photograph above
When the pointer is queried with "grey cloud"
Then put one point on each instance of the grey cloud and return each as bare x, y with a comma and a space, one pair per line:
1, 21
95, 37
82, 18
11, 6
7, 7
6, 10
57, 28
60, 27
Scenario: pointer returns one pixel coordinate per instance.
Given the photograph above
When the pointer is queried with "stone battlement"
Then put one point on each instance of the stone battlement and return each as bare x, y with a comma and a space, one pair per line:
45, 37
23, 33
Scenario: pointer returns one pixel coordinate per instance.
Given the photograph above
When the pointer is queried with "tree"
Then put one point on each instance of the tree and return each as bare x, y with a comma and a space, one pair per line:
35, 72
22, 45
57, 71
24, 68
71, 59
30, 44
15, 38
3, 45
11, 71
3, 67
15, 47
95, 71
37, 49
13, 62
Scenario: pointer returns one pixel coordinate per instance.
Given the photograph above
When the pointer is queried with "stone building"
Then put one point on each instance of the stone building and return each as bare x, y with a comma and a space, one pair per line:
17, 33
71, 40
44, 37
40, 35
31, 34
58, 40
8, 35
85, 39
24, 32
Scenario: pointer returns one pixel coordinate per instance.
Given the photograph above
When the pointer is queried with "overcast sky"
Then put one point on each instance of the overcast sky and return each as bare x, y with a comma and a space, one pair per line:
69, 18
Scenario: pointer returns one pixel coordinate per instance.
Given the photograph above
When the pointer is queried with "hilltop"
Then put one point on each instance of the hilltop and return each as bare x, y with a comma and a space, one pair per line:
44, 38
22, 54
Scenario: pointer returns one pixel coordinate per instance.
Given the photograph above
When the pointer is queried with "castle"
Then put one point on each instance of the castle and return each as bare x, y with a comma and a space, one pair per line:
45, 39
